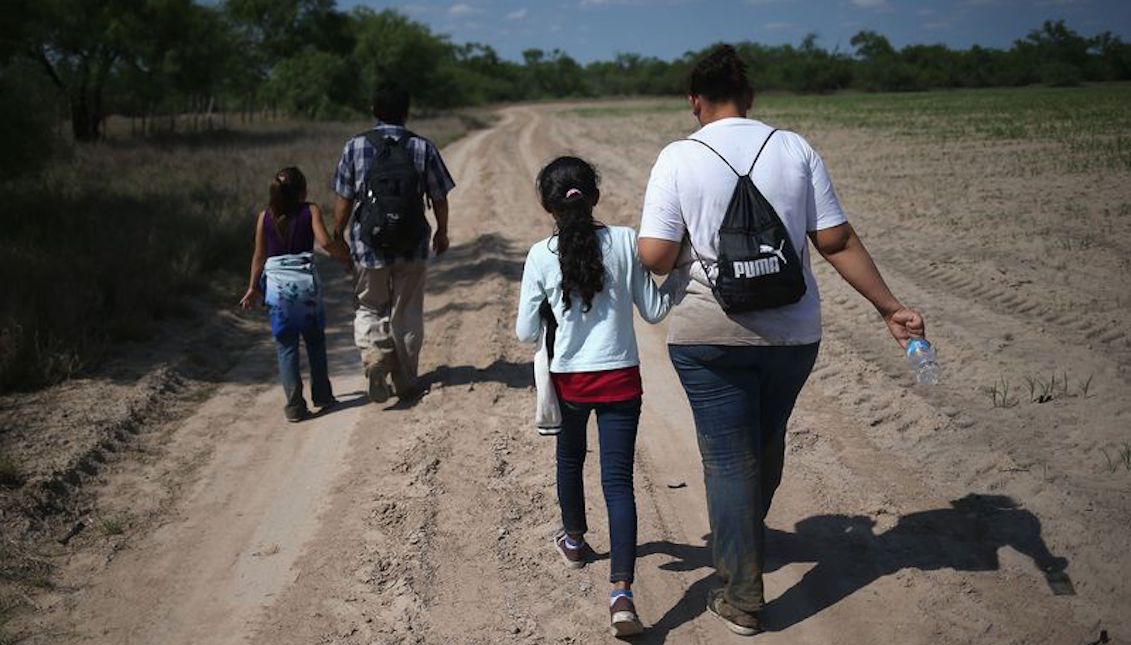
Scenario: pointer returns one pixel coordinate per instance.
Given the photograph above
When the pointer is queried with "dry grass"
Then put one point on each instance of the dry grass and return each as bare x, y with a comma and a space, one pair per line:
112, 240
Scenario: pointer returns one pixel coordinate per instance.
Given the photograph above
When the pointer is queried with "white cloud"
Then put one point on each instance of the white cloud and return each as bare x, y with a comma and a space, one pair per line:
517, 15
462, 9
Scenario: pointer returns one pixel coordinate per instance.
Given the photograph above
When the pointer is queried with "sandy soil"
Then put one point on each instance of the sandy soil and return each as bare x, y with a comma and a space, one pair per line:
906, 515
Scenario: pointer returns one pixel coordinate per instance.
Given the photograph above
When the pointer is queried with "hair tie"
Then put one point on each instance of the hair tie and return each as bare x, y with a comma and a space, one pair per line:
573, 191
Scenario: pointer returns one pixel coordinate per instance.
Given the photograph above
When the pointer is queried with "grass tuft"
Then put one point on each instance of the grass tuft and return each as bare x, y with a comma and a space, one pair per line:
112, 526
1000, 394
1121, 458
10, 474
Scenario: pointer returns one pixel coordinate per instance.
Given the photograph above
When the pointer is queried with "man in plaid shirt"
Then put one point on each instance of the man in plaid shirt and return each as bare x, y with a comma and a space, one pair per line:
389, 320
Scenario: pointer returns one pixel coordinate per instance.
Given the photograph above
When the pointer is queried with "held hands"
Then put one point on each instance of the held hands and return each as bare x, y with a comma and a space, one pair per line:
251, 298
440, 242
905, 324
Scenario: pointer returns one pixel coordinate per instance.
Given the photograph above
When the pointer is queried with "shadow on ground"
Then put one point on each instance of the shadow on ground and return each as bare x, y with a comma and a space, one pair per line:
514, 375
849, 556
485, 257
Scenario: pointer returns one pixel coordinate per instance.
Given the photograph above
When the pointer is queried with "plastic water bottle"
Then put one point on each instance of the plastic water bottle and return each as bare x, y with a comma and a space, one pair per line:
921, 357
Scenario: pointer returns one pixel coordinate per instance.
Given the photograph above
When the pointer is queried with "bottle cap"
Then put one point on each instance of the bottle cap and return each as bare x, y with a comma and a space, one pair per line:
917, 344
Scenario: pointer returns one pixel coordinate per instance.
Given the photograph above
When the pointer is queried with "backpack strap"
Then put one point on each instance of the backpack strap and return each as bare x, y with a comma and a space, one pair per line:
702, 262
377, 140
736, 173
724, 160
379, 143
751, 171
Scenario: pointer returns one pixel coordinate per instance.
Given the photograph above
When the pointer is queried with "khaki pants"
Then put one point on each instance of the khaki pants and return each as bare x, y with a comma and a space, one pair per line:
388, 325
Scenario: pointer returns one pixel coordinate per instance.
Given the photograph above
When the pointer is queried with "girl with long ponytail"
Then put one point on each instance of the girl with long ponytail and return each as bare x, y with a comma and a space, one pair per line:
589, 276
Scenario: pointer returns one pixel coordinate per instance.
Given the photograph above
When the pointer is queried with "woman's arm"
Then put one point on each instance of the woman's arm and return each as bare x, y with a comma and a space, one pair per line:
528, 324
335, 247
842, 248
658, 256
258, 257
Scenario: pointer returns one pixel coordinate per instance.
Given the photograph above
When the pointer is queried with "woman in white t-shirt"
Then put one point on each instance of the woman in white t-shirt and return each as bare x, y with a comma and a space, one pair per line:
742, 373
591, 277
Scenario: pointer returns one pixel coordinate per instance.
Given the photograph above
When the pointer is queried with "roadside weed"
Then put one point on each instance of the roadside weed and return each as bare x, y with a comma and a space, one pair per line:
1042, 390
1056, 385
112, 526
10, 475
1121, 458
1086, 385
999, 394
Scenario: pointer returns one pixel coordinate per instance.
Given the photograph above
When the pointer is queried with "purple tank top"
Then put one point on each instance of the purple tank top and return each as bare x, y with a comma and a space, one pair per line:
299, 229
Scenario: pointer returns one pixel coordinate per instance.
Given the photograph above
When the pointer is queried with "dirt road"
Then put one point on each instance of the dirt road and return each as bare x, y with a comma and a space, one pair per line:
905, 515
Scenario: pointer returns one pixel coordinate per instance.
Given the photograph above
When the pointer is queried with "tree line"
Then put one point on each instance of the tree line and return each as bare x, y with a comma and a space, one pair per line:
309, 59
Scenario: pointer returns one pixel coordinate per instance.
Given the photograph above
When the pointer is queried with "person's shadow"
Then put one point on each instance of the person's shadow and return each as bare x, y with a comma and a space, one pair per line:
849, 556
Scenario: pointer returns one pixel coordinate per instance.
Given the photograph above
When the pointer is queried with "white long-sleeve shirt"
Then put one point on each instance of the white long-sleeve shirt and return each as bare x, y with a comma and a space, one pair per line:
603, 337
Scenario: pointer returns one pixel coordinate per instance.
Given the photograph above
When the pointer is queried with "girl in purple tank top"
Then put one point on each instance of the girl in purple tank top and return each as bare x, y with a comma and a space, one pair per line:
291, 225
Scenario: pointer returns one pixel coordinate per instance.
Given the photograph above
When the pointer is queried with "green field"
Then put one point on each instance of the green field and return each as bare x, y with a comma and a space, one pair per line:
1093, 118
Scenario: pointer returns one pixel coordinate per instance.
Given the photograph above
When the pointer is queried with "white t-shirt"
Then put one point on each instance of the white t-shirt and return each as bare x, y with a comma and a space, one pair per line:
688, 193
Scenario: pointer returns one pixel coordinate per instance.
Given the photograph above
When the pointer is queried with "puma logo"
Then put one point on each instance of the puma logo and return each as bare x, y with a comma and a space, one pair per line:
757, 268
766, 248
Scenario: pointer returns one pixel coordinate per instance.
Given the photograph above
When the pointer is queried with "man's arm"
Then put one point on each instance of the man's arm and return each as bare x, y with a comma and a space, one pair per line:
332, 245
843, 249
343, 208
440, 239
658, 256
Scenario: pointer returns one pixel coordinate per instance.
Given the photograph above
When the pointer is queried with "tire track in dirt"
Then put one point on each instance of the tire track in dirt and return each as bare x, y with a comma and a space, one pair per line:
227, 544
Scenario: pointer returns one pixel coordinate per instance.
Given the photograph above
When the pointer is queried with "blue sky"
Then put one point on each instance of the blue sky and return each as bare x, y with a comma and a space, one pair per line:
599, 29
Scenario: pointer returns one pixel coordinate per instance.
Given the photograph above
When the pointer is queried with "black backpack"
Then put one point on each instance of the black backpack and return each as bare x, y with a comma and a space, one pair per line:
390, 205
758, 267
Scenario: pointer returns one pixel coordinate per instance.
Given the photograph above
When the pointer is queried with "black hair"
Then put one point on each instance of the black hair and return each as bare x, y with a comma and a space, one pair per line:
720, 76
567, 187
288, 188
390, 103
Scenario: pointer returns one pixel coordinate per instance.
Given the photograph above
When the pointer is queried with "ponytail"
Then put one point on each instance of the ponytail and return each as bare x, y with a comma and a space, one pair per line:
568, 189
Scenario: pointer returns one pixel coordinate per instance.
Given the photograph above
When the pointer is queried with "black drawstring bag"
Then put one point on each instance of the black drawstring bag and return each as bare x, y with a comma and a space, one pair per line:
758, 267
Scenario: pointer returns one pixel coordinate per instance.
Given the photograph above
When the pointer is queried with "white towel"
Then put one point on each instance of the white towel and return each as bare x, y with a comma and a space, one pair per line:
547, 412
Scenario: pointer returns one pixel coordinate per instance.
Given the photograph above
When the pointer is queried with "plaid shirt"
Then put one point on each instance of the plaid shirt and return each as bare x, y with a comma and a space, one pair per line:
353, 168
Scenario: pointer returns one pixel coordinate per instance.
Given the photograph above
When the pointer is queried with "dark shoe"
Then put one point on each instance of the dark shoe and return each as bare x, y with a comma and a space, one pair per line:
294, 415
378, 385
622, 615
736, 620
324, 407
574, 555
410, 394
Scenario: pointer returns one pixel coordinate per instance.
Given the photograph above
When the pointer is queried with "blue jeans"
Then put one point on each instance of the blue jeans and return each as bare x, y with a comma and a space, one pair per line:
286, 346
741, 399
616, 432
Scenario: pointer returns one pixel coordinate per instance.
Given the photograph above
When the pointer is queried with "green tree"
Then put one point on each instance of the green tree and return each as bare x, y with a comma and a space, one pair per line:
79, 45
1058, 54
389, 46
880, 68
313, 84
